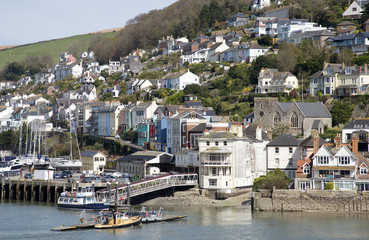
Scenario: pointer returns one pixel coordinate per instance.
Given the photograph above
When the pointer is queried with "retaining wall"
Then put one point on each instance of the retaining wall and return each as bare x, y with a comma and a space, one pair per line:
311, 200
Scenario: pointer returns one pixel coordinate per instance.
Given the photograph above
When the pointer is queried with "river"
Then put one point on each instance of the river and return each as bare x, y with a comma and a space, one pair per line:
22, 220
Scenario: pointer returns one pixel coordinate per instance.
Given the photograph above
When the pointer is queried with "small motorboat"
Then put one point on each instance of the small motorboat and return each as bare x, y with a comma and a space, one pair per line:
154, 216
118, 220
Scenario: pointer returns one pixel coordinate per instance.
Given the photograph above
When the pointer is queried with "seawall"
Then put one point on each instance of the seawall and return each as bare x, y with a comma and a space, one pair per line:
310, 200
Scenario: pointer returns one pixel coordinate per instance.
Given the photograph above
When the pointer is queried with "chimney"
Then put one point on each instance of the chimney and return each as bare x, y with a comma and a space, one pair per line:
315, 142
338, 141
355, 144
258, 133
206, 133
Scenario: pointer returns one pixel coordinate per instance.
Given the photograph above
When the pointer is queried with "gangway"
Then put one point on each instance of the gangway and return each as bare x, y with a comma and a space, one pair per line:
147, 186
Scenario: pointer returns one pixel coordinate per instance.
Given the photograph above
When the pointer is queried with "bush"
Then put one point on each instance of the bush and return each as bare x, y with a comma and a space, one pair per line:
329, 186
275, 178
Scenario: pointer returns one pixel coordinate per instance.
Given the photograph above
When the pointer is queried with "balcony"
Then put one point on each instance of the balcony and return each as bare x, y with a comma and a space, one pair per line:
215, 162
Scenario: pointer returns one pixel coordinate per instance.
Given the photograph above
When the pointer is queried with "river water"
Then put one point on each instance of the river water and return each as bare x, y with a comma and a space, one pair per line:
22, 220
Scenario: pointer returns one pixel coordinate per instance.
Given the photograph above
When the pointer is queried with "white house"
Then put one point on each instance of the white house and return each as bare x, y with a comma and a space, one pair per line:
142, 112
138, 85
70, 69
257, 5
283, 153
294, 26
273, 81
181, 80
355, 10
94, 161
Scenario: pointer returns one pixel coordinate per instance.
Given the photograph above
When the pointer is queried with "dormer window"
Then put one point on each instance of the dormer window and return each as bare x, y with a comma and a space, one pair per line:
306, 169
343, 160
363, 171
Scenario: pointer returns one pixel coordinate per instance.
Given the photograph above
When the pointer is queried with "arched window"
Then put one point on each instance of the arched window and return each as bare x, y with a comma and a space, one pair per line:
277, 118
294, 120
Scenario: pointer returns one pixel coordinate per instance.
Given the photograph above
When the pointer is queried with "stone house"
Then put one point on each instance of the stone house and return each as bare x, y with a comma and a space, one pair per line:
303, 117
346, 28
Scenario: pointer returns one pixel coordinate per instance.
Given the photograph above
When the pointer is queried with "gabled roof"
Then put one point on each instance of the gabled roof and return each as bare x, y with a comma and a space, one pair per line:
346, 23
238, 15
309, 142
89, 153
284, 140
250, 132
193, 104
358, 124
199, 128
313, 110
213, 134
256, 46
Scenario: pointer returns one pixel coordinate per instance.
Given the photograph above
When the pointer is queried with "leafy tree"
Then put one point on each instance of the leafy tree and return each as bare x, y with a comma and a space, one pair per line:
275, 178
259, 63
286, 57
341, 112
329, 186
13, 71
346, 57
107, 97
265, 41
281, 128
362, 59
240, 71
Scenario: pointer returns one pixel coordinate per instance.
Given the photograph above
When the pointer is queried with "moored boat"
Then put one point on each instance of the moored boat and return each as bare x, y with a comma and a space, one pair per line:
153, 216
119, 220
83, 198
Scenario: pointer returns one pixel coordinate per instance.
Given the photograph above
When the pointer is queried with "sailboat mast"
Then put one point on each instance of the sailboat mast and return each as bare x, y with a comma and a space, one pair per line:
25, 151
70, 131
39, 129
20, 141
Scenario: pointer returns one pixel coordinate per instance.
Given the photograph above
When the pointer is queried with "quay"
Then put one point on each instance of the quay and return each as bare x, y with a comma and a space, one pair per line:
37, 190
17, 188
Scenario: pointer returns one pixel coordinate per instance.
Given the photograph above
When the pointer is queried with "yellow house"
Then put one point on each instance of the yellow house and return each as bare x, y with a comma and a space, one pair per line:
93, 160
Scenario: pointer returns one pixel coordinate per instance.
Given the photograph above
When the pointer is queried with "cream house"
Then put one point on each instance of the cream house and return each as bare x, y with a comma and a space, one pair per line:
93, 160
272, 81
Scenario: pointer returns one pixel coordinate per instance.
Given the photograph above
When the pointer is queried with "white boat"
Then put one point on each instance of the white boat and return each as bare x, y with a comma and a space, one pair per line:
62, 163
83, 198
12, 165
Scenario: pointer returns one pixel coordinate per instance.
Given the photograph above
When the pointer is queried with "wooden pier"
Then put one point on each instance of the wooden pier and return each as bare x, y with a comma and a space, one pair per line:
37, 190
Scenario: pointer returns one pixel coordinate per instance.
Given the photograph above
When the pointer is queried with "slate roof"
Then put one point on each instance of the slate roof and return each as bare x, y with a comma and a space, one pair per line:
256, 46
314, 110
199, 128
284, 140
315, 124
342, 37
215, 46
345, 23
285, 105
250, 132
213, 134
89, 153
309, 142
238, 15
193, 104
358, 124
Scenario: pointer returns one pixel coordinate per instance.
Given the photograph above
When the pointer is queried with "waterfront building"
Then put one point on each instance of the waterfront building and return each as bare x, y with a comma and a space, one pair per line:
94, 161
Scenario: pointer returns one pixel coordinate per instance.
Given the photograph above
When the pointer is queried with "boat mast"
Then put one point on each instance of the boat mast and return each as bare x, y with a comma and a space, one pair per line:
25, 151
39, 130
70, 131
20, 140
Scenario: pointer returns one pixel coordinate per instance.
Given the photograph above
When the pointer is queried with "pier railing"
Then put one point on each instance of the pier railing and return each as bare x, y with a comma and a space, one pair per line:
147, 186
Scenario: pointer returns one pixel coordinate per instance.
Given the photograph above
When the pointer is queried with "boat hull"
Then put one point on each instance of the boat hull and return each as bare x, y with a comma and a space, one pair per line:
92, 206
133, 221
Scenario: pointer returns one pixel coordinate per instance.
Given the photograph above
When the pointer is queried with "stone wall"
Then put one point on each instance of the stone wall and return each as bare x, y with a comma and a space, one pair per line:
310, 200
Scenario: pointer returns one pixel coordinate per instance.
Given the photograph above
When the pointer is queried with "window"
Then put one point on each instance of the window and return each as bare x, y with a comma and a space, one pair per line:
276, 150
216, 143
344, 160
224, 170
225, 143
290, 150
363, 171
102, 159
214, 171
216, 157
294, 120
277, 118
354, 9
213, 182
207, 143
306, 169
276, 161
290, 161
342, 81
96, 159
323, 160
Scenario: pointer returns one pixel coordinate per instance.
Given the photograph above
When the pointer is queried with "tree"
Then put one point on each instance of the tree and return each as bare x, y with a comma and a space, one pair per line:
286, 57
275, 178
281, 128
265, 41
341, 113
346, 57
13, 71
107, 97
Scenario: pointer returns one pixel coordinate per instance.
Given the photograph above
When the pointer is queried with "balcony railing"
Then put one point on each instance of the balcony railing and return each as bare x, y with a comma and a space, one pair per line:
216, 162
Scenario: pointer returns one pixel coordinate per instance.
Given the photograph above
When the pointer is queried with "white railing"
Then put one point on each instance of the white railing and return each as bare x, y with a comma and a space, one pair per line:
147, 186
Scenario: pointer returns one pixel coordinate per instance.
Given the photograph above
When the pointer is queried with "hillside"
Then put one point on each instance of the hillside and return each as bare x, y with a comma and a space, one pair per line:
52, 48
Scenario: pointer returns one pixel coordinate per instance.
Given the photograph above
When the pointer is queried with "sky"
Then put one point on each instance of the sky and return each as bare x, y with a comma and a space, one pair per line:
29, 21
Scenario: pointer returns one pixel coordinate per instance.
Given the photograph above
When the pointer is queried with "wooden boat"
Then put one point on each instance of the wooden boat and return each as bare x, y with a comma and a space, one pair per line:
85, 222
119, 220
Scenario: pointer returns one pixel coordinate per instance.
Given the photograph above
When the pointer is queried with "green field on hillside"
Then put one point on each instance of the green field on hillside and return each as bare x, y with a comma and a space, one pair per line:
52, 48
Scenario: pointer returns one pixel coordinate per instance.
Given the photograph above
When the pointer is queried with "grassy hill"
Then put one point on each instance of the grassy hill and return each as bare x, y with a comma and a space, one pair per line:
52, 48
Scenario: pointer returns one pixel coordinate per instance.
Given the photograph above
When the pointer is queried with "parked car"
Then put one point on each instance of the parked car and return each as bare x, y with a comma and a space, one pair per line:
67, 174
28, 176
57, 176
